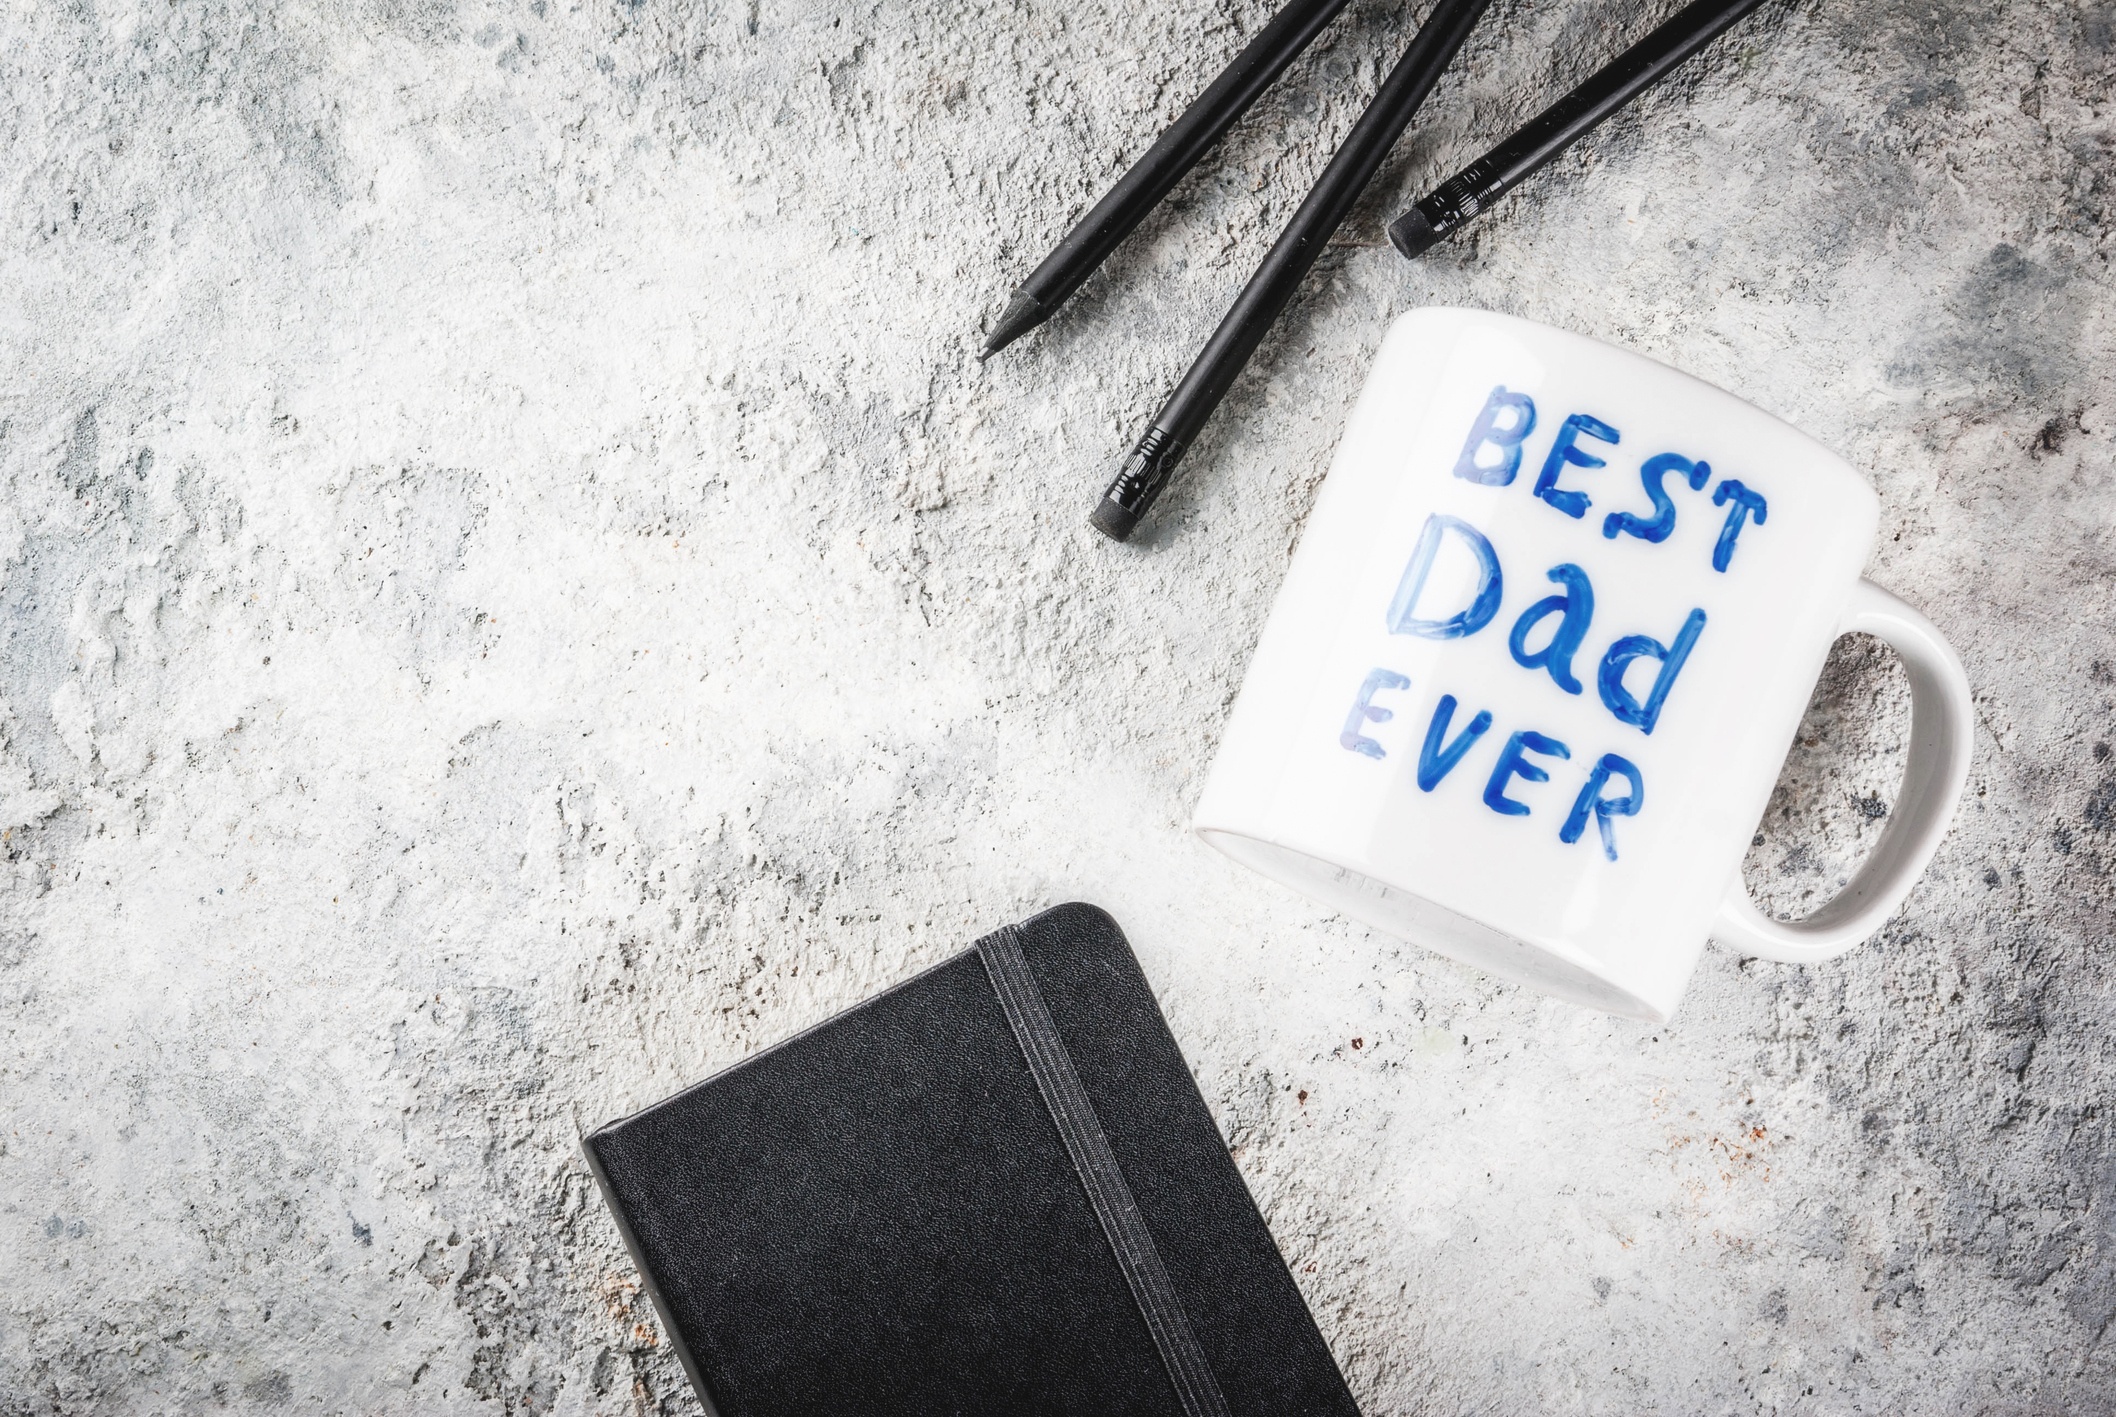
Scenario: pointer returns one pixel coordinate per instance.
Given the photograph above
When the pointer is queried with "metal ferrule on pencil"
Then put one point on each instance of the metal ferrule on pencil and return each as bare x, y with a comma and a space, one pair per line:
1450, 205
1153, 460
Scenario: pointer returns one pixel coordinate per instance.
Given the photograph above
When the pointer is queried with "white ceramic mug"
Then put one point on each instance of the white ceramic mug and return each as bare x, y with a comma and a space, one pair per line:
1537, 662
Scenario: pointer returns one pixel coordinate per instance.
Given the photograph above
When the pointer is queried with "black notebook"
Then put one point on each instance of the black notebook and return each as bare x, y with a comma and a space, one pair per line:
993, 1189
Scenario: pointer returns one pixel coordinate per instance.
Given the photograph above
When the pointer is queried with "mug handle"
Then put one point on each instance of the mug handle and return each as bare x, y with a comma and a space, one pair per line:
1940, 727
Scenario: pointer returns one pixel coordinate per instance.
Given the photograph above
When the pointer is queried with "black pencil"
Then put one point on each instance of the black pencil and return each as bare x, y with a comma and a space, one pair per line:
1154, 458
1188, 139
1564, 123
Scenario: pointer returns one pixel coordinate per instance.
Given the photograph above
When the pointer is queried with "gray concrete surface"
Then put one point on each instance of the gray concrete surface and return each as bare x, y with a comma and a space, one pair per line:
517, 594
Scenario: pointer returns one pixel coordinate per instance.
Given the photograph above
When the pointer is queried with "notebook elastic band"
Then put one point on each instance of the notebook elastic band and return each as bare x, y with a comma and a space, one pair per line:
1096, 1164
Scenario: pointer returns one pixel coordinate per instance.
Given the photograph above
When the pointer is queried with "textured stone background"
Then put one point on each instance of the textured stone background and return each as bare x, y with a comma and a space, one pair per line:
517, 594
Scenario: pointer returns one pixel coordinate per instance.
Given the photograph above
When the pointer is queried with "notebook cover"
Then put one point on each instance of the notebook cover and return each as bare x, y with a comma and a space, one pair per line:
879, 1215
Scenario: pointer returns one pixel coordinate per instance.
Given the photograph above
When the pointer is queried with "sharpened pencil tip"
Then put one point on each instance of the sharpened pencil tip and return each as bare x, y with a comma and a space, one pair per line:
1023, 313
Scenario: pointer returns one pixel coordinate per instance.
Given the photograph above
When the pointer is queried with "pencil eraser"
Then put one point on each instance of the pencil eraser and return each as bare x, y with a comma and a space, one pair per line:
1412, 234
1112, 520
